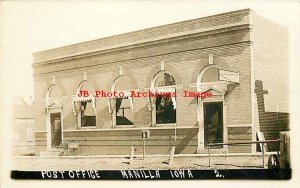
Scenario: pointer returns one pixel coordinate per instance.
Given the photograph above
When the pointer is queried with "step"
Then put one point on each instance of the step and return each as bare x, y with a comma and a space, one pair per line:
212, 151
49, 153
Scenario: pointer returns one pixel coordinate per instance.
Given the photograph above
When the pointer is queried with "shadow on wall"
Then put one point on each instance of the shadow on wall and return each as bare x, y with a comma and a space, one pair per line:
142, 117
184, 142
104, 119
270, 123
70, 121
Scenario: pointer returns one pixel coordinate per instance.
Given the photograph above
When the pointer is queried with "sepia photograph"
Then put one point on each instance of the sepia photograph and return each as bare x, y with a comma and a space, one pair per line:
148, 90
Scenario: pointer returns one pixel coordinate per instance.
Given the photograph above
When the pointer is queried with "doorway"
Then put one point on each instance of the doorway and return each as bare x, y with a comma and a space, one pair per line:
56, 138
213, 123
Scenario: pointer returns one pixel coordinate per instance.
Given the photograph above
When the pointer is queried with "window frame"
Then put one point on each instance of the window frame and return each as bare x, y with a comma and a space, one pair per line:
114, 110
79, 118
115, 113
158, 89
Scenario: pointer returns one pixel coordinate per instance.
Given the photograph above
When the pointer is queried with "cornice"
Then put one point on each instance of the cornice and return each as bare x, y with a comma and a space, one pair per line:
199, 25
178, 37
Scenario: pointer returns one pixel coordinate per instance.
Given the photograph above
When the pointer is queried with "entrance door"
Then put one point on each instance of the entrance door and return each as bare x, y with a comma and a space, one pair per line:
213, 123
55, 129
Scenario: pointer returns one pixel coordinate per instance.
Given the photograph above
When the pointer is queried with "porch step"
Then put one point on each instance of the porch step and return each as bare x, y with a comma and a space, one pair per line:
212, 151
50, 152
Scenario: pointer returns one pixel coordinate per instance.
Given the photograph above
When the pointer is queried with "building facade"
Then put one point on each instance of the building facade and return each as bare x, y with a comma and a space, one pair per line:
234, 57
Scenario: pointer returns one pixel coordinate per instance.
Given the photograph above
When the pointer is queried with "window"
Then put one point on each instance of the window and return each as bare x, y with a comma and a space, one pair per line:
211, 75
164, 79
124, 115
165, 102
165, 110
88, 115
123, 105
84, 107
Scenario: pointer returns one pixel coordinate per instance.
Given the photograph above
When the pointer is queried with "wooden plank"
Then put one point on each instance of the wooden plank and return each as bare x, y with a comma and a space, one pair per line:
239, 137
133, 138
131, 154
238, 141
240, 149
40, 134
158, 132
239, 130
123, 150
136, 143
40, 139
171, 158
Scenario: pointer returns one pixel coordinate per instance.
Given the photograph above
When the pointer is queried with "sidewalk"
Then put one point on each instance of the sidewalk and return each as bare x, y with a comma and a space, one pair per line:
193, 162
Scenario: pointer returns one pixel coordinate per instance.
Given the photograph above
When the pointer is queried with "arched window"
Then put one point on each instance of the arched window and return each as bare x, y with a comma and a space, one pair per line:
210, 75
164, 79
123, 104
86, 112
211, 108
165, 98
55, 92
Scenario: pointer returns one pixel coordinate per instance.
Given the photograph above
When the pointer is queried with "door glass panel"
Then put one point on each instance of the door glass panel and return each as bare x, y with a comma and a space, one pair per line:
55, 129
213, 123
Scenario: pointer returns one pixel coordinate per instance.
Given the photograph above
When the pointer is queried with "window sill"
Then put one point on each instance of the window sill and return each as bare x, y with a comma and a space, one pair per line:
124, 126
164, 124
88, 127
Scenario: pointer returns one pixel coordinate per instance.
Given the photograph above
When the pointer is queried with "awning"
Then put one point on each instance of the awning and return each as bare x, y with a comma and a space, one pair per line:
229, 76
220, 86
90, 99
112, 101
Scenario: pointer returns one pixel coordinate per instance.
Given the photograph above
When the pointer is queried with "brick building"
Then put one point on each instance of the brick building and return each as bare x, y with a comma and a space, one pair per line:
235, 56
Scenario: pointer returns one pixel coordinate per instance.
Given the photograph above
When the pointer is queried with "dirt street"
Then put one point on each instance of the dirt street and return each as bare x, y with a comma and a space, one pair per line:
150, 162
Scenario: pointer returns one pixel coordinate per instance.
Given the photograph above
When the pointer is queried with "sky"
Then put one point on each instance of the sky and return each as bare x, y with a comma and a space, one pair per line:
30, 26
33, 26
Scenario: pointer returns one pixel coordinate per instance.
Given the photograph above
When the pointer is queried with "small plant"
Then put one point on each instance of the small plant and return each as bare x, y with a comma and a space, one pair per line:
68, 148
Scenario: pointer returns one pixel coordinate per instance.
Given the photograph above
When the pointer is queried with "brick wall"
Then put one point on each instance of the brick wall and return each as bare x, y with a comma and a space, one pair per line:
184, 58
231, 57
270, 64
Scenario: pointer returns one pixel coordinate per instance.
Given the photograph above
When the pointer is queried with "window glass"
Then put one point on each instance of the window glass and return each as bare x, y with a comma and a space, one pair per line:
55, 92
165, 104
213, 122
124, 114
123, 84
211, 75
88, 115
164, 79
165, 110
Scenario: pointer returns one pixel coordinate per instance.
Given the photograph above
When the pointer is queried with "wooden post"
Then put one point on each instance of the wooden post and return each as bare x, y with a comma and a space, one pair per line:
263, 154
172, 155
209, 155
144, 148
132, 153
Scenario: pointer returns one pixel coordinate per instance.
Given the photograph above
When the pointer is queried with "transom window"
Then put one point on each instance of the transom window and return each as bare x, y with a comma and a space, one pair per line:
211, 75
164, 79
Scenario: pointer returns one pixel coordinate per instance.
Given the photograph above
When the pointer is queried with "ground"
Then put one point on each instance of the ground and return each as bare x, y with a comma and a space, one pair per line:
150, 162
